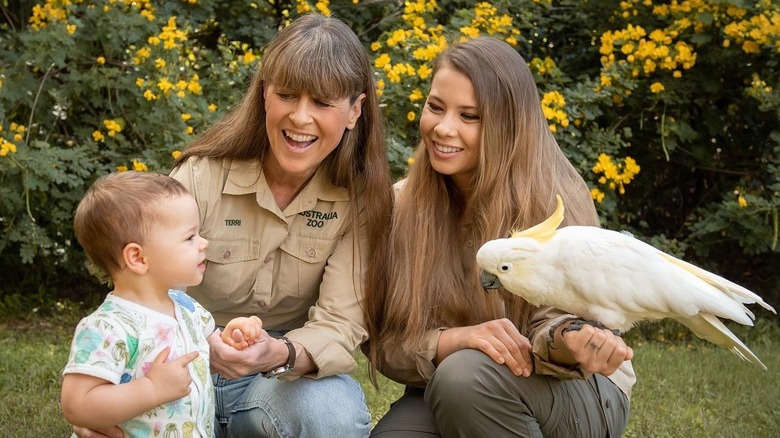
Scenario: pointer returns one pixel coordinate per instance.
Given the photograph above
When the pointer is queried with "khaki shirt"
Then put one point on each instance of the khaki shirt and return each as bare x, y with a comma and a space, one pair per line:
295, 269
416, 369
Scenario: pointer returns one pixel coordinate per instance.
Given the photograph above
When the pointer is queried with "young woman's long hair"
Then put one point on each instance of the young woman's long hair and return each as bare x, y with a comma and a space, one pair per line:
433, 282
323, 57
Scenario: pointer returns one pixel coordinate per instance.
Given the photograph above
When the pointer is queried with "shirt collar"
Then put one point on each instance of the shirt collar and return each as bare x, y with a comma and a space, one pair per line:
246, 176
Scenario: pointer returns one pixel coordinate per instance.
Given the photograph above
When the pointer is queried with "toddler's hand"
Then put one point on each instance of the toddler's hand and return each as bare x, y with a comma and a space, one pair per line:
242, 332
172, 379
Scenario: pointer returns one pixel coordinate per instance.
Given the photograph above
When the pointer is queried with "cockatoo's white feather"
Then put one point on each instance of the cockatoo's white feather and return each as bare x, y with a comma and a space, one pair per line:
617, 280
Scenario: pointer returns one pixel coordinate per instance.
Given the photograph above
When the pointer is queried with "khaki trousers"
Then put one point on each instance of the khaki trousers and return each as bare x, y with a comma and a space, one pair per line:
471, 396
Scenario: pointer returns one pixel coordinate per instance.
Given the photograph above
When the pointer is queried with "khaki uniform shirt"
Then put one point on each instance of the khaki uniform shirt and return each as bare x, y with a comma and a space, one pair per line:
417, 369
296, 269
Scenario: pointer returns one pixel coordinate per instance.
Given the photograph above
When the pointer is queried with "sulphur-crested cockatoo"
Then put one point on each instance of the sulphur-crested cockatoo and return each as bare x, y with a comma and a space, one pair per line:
616, 280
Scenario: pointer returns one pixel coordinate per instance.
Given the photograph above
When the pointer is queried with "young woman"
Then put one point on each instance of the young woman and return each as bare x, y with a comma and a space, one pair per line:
479, 364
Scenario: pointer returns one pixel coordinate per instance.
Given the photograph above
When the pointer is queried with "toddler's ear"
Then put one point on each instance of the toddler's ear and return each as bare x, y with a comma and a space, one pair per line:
133, 256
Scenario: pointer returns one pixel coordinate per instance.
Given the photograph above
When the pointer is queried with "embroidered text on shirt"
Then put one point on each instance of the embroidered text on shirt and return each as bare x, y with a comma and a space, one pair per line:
232, 222
316, 219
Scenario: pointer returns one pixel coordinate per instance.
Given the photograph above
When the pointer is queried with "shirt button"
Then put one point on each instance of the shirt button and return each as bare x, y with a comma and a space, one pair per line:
268, 260
608, 403
226, 254
263, 303
311, 252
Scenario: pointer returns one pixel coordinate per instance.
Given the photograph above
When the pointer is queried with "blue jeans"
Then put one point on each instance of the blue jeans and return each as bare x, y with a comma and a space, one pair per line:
253, 406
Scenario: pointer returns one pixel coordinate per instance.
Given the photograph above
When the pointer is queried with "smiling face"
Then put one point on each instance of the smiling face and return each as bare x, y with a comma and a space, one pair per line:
304, 130
173, 247
450, 125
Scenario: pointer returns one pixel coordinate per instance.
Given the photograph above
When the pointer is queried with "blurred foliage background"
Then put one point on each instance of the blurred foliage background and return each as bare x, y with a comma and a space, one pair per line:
669, 109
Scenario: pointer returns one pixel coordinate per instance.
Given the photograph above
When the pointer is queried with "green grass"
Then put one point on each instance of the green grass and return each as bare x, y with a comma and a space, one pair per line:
685, 388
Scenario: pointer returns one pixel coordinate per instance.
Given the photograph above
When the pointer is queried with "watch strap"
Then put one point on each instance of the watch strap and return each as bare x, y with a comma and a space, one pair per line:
287, 367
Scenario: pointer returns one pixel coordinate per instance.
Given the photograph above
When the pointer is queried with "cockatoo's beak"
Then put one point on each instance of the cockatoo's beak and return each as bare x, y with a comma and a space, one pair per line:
489, 281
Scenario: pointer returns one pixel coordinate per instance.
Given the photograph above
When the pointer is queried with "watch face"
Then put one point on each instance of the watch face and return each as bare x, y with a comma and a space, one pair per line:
282, 370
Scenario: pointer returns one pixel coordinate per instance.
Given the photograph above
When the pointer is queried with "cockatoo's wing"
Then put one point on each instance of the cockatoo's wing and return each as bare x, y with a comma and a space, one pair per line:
626, 275
733, 290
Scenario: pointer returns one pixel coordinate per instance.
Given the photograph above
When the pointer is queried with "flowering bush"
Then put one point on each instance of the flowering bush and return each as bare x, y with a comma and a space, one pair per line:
670, 111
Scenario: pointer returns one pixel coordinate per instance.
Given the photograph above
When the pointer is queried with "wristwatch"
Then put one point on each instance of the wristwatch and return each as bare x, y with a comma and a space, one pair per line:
286, 368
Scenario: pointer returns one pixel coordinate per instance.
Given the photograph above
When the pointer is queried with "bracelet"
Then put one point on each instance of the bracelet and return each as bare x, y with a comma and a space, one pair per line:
287, 367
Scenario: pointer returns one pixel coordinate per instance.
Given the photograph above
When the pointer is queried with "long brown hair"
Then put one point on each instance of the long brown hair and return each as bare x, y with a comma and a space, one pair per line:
323, 57
432, 281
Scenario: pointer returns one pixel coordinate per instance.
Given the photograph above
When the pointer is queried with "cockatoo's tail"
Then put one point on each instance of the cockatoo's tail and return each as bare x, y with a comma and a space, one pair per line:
615, 279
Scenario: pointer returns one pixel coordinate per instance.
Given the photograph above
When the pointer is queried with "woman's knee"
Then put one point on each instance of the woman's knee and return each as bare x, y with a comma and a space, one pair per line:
461, 373
303, 408
464, 375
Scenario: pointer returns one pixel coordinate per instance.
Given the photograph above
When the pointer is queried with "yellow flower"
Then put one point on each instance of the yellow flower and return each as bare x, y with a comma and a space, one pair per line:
186, 116
742, 202
411, 116
410, 161
6, 147
323, 8
194, 86
416, 95
382, 61
164, 85
140, 82
424, 72
249, 57
189, 130
656, 87
149, 95
597, 195
113, 127
71, 28
375, 46
121, 168
176, 154
100, 60
97, 136
139, 166
212, 108
159, 63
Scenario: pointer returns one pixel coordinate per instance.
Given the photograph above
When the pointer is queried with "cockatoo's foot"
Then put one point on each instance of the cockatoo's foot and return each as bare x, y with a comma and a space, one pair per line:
578, 324
575, 325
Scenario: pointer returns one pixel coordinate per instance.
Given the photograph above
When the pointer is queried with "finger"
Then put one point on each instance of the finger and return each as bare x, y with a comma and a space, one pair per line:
185, 359
258, 322
237, 336
486, 347
163, 355
516, 353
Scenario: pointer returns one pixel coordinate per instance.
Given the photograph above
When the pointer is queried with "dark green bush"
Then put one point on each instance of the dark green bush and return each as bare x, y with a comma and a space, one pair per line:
670, 111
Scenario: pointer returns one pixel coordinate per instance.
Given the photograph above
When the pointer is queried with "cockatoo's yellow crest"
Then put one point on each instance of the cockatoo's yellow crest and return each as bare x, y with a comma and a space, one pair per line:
546, 230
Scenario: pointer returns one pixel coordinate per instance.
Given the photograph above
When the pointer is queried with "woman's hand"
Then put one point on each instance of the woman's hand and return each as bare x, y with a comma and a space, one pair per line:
242, 332
264, 354
83, 432
596, 350
498, 338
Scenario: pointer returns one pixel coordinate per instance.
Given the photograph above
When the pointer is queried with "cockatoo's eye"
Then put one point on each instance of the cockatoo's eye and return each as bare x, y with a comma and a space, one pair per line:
505, 267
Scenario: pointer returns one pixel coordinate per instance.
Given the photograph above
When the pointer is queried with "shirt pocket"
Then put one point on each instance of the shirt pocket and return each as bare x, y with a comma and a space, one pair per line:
302, 264
231, 269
